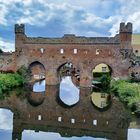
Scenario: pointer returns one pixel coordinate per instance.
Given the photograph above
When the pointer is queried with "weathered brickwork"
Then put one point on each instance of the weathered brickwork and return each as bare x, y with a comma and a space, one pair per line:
83, 52
7, 62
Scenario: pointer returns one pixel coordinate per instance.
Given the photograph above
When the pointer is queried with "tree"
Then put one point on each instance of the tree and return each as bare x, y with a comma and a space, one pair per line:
105, 82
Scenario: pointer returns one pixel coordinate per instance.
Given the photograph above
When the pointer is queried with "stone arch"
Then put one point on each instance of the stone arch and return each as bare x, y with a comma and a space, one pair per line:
109, 67
70, 69
37, 70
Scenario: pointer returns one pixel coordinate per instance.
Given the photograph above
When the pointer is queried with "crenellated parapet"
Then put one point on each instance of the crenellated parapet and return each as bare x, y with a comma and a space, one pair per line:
125, 33
19, 28
125, 28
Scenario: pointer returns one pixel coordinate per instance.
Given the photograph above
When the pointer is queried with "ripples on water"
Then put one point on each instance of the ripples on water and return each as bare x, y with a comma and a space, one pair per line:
69, 94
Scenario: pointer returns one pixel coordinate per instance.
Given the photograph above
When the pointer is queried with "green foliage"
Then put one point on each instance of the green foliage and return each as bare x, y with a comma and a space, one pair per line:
105, 81
24, 73
128, 93
100, 74
9, 81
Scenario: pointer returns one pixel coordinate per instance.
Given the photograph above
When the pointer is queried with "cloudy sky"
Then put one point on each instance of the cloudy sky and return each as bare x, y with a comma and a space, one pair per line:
53, 18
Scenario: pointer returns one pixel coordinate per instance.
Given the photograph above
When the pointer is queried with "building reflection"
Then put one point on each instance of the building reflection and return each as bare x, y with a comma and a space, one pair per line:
82, 119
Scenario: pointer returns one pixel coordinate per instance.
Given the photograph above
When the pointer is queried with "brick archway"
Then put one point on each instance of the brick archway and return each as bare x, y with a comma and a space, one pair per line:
37, 70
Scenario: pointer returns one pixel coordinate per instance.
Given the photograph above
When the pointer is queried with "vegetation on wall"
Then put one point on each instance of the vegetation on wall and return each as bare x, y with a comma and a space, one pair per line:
128, 92
10, 80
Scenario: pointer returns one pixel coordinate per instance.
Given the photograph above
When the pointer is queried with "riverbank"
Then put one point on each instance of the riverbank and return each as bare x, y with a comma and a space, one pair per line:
8, 81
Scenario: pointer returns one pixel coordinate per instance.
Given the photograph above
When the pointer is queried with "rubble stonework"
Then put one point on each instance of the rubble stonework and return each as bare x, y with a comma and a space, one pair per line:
54, 52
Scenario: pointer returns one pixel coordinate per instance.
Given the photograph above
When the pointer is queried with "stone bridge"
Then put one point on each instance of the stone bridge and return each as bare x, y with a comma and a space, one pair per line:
51, 116
83, 52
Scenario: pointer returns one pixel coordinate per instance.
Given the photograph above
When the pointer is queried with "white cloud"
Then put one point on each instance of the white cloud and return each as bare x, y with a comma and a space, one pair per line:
6, 45
89, 18
6, 119
29, 134
133, 134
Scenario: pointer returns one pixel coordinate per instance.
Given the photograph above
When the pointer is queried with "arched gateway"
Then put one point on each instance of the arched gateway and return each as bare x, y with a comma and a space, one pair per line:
84, 52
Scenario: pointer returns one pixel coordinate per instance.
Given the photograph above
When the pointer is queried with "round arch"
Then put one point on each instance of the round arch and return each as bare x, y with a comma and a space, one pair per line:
37, 70
102, 68
69, 69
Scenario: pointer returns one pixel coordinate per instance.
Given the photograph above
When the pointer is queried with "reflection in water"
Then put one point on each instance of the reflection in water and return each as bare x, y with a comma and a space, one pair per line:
39, 86
6, 124
6, 119
72, 123
31, 135
100, 100
69, 93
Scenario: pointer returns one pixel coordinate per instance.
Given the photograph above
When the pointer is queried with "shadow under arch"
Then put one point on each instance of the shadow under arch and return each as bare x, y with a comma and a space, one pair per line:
69, 69
37, 70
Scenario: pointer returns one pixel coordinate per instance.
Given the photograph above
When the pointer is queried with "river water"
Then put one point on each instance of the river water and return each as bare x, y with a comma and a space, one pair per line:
20, 119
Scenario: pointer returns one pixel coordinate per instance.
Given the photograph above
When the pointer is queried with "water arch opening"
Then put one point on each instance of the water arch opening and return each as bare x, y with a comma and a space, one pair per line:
69, 78
37, 71
100, 96
37, 82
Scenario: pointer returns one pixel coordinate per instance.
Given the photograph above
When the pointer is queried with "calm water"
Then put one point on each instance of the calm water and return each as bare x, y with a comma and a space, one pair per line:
24, 112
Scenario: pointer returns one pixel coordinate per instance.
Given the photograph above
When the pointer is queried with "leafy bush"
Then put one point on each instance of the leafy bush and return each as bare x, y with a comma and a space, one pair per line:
24, 73
100, 74
128, 93
9, 81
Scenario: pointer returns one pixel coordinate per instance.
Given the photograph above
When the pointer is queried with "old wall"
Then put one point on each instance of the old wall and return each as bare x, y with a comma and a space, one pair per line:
7, 62
83, 52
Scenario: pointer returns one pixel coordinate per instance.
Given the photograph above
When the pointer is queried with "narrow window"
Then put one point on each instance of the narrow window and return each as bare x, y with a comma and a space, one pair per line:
97, 51
94, 122
107, 122
39, 117
73, 121
75, 51
61, 51
42, 50
59, 119
103, 69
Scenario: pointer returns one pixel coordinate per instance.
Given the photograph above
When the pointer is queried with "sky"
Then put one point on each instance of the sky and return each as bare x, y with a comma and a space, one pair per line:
54, 18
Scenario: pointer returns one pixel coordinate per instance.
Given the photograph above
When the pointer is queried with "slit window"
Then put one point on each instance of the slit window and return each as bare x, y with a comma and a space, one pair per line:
42, 50
95, 122
97, 51
61, 51
72, 121
75, 51
104, 69
59, 119
39, 117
